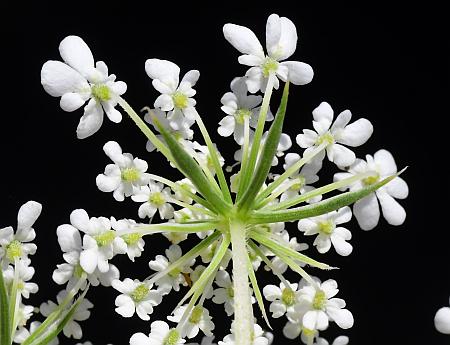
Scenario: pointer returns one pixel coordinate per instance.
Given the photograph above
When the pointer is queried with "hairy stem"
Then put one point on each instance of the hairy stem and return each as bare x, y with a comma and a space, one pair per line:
243, 311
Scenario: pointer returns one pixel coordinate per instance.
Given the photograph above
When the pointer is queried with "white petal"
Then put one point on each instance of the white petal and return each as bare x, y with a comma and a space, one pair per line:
367, 212
140, 339
340, 155
71, 101
191, 77
243, 39
107, 183
271, 292
442, 320
386, 162
397, 188
57, 78
342, 317
341, 340
164, 70
273, 33
250, 60
76, 53
343, 215
393, 212
69, 238
340, 245
227, 125
323, 112
88, 260
307, 139
356, 133
113, 114
80, 220
113, 150
91, 121
288, 41
165, 102
28, 213
341, 120
292, 330
300, 73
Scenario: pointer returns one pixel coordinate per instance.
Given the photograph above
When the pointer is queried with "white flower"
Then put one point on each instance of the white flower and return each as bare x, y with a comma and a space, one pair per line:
224, 294
133, 240
155, 198
175, 96
16, 245
23, 315
179, 127
283, 298
173, 279
281, 42
71, 271
442, 320
301, 179
239, 106
82, 313
324, 227
24, 273
335, 135
187, 185
126, 176
136, 297
258, 337
366, 210
199, 319
77, 80
160, 334
201, 154
100, 243
321, 306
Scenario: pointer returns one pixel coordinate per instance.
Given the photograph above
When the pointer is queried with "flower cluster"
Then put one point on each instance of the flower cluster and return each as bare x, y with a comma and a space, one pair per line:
241, 221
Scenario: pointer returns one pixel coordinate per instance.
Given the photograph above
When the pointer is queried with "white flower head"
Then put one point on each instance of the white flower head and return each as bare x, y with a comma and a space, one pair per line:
126, 176
321, 306
366, 210
283, 298
24, 273
335, 134
23, 333
176, 96
238, 106
77, 80
100, 242
179, 127
160, 334
176, 277
71, 271
442, 320
23, 315
82, 313
133, 240
198, 319
154, 198
17, 245
281, 42
136, 297
328, 234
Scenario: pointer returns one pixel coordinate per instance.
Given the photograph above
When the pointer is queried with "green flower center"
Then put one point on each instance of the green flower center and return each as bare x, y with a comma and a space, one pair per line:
105, 238
130, 174
196, 314
14, 250
172, 337
180, 100
371, 179
319, 300
288, 297
309, 333
156, 198
269, 66
241, 114
139, 293
299, 183
101, 92
325, 138
326, 227
131, 239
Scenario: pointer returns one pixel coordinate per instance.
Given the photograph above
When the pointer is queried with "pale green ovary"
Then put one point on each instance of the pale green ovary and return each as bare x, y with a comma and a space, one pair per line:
14, 250
269, 66
325, 138
371, 179
241, 114
157, 198
101, 92
180, 100
139, 293
288, 297
326, 227
196, 314
131, 239
319, 300
172, 337
130, 174
105, 238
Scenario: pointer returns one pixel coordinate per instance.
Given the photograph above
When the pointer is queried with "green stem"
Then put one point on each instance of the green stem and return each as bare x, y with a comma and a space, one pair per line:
245, 147
5, 335
256, 142
243, 310
172, 227
14, 300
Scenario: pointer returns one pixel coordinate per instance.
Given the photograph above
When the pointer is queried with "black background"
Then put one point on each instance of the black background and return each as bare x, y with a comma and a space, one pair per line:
388, 65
